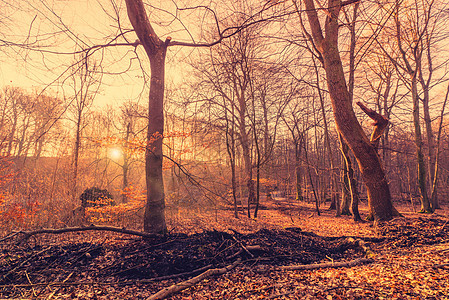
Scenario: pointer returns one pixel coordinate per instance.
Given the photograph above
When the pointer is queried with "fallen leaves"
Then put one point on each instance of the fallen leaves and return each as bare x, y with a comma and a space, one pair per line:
411, 261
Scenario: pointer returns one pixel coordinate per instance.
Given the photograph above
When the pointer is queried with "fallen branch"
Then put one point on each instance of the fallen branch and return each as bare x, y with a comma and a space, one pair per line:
442, 227
10, 236
263, 288
352, 287
350, 263
247, 249
162, 294
65, 284
161, 278
441, 265
243, 247
28, 234
280, 295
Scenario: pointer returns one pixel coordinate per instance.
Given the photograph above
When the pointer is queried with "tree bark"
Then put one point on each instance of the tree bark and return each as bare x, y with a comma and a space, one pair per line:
379, 197
125, 166
76, 149
230, 147
156, 49
345, 189
244, 138
434, 199
425, 203
351, 183
429, 133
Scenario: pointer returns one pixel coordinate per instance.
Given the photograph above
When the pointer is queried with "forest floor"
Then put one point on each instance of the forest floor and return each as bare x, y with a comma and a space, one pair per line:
406, 258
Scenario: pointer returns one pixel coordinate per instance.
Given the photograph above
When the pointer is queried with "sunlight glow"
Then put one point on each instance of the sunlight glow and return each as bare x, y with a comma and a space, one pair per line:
115, 153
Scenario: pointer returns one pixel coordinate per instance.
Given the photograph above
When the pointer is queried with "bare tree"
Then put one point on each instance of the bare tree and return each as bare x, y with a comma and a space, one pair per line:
156, 50
85, 83
379, 197
416, 31
294, 119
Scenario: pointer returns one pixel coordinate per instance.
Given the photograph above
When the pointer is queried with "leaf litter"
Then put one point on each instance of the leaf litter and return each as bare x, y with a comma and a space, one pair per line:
410, 262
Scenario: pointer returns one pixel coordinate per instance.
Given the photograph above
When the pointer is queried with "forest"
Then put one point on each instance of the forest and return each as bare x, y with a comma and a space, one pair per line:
236, 149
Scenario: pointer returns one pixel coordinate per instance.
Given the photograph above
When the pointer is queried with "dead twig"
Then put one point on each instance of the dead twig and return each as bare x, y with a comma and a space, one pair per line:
441, 265
24, 262
168, 291
65, 284
29, 280
263, 288
176, 275
442, 227
350, 263
243, 247
280, 295
248, 248
352, 287
59, 288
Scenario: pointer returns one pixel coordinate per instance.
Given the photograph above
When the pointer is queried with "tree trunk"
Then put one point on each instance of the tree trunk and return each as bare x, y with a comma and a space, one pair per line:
156, 49
125, 167
76, 150
379, 197
234, 188
351, 182
430, 141
154, 219
246, 156
434, 199
298, 185
317, 204
346, 189
230, 147
413, 71
425, 203
256, 209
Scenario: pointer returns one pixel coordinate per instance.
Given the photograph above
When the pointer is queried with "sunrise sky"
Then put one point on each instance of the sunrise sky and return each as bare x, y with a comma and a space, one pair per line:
85, 22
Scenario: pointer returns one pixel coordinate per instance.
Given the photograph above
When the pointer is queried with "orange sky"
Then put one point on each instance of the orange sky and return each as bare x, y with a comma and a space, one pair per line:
89, 22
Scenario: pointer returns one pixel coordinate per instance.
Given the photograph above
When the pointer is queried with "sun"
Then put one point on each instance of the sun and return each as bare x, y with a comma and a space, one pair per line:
115, 153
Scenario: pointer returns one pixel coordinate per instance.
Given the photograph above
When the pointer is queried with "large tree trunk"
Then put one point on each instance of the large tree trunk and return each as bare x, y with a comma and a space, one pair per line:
154, 219
156, 49
379, 197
